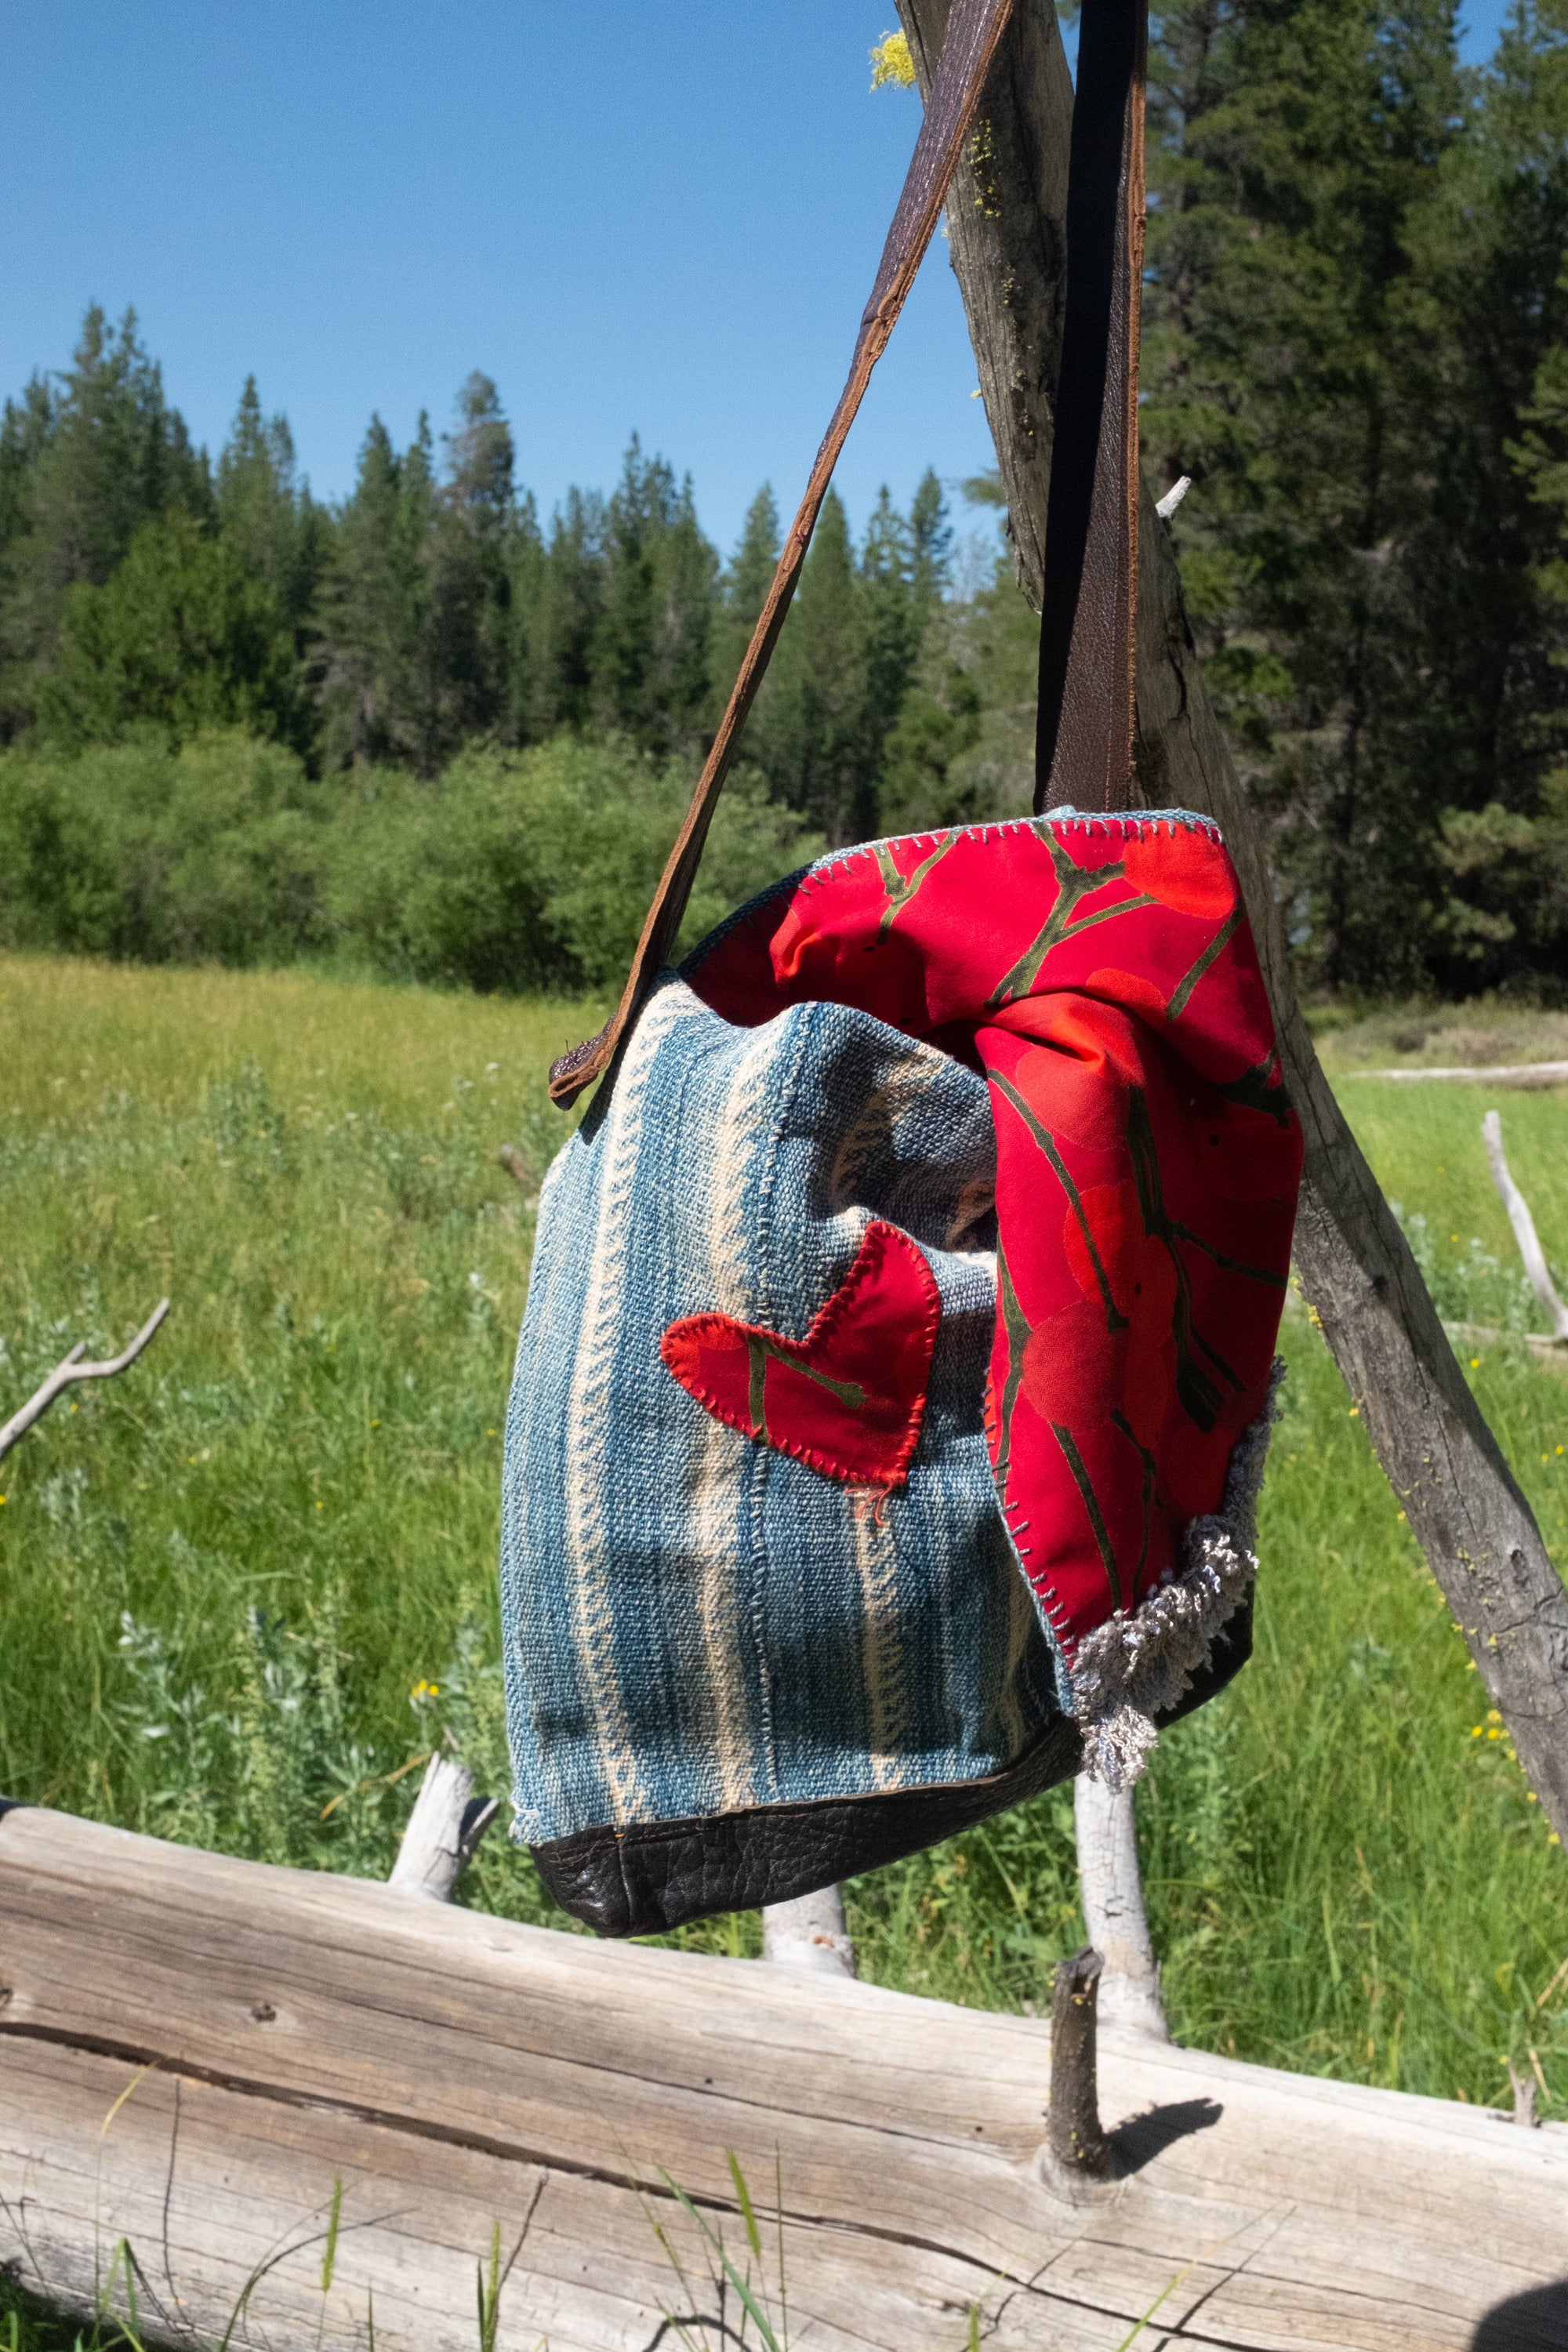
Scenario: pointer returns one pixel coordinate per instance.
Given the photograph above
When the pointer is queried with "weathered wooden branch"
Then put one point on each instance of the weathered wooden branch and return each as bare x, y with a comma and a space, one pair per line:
1074, 2133
1524, 2096
1507, 1074
225, 2065
1523, 1226
446, 1825
72, 1369
809, 1933
1465, 1508
1113, 1916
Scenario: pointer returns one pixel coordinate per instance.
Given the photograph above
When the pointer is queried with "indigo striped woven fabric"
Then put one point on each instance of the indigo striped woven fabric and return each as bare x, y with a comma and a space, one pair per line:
895, 1383
696, 1622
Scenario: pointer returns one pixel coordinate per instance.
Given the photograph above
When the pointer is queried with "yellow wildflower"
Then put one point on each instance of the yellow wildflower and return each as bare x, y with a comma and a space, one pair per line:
891, 62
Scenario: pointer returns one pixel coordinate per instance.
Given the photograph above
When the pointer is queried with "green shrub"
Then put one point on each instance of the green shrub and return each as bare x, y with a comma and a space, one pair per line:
514, 870
137, 851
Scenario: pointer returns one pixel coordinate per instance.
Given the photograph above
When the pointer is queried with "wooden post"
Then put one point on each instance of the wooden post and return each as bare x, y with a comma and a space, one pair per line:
446, 1825
1113, 1916
1523, 1226
1007, 219
809, 1933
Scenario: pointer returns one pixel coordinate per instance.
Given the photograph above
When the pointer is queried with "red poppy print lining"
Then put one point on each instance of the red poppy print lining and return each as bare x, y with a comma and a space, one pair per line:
1101, 975
850, 1398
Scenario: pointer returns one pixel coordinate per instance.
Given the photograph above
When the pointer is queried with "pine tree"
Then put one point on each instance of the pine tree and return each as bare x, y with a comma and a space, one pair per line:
685, 573
931, 545
268, 516
466, 640
570, 601
816, 734
891, 625
742, 592
182, 636
89, 457
1297, 145
374, 602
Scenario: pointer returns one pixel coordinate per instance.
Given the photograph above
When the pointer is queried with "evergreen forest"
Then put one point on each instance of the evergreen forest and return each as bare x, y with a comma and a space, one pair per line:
429, 728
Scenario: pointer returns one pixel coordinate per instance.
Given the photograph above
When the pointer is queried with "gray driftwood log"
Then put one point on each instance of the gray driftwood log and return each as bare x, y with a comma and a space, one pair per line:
202, 2060
1005, 221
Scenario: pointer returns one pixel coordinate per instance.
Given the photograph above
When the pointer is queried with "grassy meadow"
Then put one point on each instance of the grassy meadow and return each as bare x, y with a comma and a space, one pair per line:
243, 1587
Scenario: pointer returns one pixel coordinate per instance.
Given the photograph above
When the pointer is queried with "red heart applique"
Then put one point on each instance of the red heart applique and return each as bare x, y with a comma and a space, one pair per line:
848, 1399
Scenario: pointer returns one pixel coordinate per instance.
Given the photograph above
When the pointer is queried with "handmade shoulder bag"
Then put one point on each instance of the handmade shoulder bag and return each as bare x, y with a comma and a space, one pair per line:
893, 1391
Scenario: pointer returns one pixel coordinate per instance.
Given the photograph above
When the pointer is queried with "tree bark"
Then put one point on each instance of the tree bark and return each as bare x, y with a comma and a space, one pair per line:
1111, 1891
1005, 225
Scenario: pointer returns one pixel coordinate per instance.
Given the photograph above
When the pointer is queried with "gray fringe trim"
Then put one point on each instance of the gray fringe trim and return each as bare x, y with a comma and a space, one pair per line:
1132, 1668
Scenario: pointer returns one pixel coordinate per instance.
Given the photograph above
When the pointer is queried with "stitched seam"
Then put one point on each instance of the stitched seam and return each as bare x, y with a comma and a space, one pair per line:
878, 1239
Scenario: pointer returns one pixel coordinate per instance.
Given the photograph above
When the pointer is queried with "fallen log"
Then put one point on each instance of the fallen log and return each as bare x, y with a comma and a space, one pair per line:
292, 2104
1504, 1074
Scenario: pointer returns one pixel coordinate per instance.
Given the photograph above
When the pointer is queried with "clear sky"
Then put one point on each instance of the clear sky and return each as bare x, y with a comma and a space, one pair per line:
658, 217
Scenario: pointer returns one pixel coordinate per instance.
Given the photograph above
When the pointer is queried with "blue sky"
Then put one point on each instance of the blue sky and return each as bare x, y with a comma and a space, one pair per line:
662, 218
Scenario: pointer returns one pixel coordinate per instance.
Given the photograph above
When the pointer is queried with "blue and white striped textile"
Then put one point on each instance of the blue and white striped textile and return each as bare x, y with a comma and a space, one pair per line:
695, 1622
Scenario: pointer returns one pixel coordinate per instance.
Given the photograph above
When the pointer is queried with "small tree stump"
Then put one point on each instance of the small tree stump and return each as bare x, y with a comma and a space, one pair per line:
1073, 2132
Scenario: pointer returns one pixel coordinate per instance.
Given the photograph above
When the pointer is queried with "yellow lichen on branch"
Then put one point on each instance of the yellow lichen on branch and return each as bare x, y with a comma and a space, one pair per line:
891, 62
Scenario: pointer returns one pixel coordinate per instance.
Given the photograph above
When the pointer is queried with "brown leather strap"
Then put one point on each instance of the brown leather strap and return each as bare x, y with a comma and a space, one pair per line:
1088, 622
973, 29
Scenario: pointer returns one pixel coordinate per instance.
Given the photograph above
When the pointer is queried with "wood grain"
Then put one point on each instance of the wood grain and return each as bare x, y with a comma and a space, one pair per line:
1464, 1506
193, 2051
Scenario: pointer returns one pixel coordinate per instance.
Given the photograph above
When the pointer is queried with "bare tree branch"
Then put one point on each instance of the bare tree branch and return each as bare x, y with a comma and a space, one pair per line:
1114, 1920
1523, 1226
72, 1369
446, 1825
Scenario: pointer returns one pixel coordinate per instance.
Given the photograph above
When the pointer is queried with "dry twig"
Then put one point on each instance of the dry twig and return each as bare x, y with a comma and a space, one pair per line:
73, 1369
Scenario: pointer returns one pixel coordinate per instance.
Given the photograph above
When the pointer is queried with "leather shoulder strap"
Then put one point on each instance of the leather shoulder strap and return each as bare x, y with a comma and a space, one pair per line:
973, 29
1087, 620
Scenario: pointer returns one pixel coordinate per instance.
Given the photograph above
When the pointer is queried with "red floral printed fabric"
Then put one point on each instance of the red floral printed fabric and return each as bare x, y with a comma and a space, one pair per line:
1100, 972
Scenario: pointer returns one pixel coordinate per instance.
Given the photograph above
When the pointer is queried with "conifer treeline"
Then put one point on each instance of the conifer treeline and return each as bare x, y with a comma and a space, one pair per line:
141, 587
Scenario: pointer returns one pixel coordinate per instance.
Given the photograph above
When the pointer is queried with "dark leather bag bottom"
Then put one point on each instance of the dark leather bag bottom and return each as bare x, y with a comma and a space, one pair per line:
653, 1876
641, 1880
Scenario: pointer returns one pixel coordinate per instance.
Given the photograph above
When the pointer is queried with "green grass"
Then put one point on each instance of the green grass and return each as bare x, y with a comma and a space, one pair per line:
225, 1577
